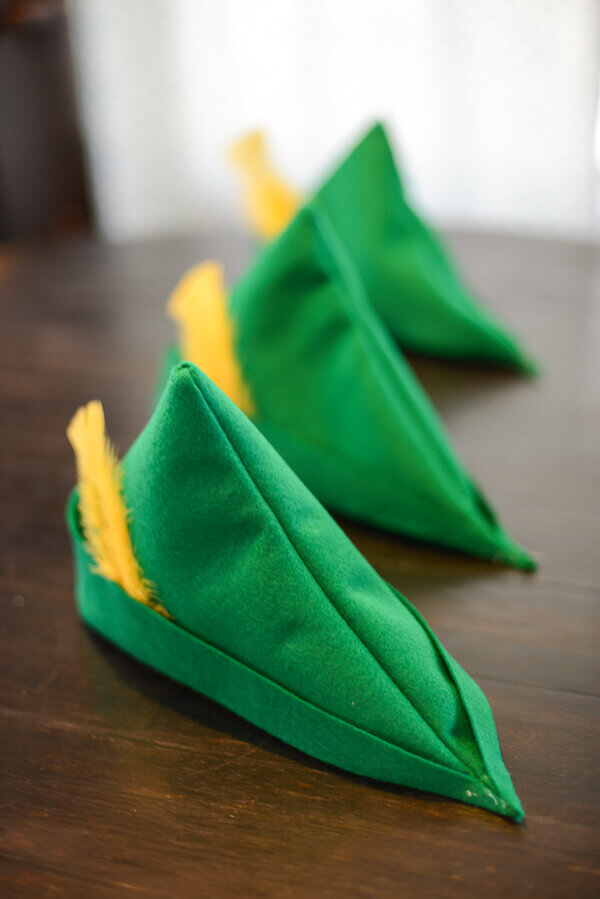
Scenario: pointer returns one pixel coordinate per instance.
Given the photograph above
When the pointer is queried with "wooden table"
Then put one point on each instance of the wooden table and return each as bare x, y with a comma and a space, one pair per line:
116, 781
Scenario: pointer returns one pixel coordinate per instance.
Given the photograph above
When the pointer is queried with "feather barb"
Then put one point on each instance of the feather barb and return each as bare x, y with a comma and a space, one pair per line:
199, 305
269, 201
104, 516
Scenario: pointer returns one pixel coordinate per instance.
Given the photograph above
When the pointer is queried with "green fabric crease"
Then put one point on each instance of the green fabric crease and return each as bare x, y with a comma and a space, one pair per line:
276, 614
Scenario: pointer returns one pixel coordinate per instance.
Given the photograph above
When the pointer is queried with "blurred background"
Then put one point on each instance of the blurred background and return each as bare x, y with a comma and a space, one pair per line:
115, 115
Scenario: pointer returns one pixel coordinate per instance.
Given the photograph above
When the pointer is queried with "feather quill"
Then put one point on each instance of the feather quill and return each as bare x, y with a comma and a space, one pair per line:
199, 305
269, 201
102, 509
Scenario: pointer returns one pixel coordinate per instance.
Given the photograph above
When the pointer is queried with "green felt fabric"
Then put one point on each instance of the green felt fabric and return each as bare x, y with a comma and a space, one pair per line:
408, 275
277, 615
338, 401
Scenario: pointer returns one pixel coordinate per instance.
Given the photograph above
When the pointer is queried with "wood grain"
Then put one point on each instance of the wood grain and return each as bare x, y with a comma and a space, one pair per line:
115, 781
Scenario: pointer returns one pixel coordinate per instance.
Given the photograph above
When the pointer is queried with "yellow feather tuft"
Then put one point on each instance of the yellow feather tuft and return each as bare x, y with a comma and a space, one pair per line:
102, 509
199, 305
269, 202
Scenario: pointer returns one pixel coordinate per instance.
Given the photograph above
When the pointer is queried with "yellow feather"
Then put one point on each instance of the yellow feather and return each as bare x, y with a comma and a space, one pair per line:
102, 510
269, 202
199, 305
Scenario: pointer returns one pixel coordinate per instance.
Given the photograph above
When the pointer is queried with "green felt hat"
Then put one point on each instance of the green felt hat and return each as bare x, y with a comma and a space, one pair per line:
334, 396
263, 604
408, 275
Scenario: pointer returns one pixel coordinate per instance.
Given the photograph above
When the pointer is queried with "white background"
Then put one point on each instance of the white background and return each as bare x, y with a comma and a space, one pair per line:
492, 104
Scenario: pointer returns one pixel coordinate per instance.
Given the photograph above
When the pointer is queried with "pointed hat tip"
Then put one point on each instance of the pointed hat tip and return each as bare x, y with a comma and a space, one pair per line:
518, 815
501, 800
515, 556
512, 808
529, 366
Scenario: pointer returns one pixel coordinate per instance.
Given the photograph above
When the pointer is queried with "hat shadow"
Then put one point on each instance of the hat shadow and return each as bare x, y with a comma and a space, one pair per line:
397, 557
451, 384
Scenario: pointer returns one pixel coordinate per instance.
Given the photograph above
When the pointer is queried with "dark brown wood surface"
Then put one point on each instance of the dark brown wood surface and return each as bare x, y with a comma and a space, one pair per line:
115, 781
